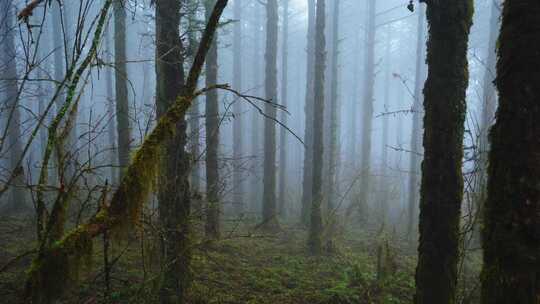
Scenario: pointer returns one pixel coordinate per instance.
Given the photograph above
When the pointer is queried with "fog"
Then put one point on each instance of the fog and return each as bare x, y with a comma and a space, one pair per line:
78, 103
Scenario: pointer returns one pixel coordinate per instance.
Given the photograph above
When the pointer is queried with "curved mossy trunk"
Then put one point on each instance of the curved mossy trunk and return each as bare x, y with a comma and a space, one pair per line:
315, 224
511, 236
212, 227
269, 212
442, 180
173, 187
121, 87
308, 109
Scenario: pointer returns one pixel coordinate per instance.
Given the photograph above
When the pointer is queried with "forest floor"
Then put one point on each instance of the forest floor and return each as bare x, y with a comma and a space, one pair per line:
245, 268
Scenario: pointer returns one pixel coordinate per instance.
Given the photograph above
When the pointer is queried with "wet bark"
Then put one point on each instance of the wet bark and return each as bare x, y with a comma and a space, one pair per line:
173, 191
442, 180
511, 238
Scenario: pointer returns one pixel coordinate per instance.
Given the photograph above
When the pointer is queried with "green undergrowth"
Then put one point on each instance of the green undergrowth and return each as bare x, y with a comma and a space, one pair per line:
277, 269
253, 269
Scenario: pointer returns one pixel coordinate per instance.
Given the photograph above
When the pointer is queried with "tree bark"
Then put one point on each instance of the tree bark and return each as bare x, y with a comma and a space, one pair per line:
255, 115
332, 184
120, 81
269, 212
11, 102
238, 119
442, 180
307, 189
282, 131
415, 145
212, 227
511, 237
367, 113
316, 225
111, 127
173, 186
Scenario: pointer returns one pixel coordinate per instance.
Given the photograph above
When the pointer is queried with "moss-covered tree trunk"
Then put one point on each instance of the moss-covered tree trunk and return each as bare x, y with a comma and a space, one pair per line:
121, 87
173, 187
212, 227
316, 225
269, 212
442, 179
511, 235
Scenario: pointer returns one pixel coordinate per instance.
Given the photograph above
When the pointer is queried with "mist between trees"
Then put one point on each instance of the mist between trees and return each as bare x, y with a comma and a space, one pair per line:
263, 151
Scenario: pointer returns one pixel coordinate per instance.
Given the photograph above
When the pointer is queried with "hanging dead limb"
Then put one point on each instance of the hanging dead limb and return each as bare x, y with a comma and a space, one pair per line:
59, 264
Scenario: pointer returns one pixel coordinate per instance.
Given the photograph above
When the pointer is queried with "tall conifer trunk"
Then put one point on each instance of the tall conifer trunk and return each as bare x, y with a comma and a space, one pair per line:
212, 228
238, 120
173, 191
416, 134
269, 214
120, 81
442, 179
316, 224
308, 109
282, 131
511, 236
10, 100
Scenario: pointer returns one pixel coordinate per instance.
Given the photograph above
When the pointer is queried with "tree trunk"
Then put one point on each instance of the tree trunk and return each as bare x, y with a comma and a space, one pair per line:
316, 225
238, 119
212, 228
511, 236
269, 214
489, 105
332, 184
442, 179
255, 115
111, 127
282, 131
367, 113
385, 185
120, 80
307, 189
416, 147
11, 102
173, 192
